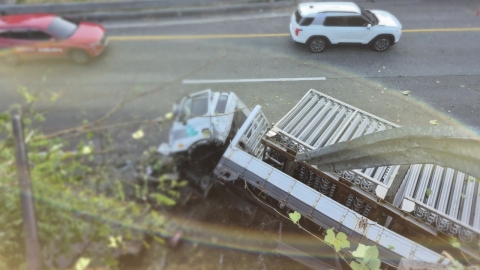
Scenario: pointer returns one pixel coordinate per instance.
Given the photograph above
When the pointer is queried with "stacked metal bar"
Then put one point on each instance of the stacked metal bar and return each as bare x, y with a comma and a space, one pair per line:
319, 120
444, 198
251, 139
237, 164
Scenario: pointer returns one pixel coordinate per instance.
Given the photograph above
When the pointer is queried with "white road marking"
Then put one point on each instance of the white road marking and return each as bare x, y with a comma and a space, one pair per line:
196, 21
254, 80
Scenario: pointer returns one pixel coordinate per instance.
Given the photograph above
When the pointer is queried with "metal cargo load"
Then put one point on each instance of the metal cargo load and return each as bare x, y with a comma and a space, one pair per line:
447, 199
238, 163
318, 120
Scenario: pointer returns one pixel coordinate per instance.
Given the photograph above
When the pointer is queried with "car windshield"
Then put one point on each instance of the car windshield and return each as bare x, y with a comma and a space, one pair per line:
369, 15
61, 28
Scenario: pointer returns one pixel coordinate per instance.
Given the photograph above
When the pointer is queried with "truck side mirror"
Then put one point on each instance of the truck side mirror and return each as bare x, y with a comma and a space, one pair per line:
176, 110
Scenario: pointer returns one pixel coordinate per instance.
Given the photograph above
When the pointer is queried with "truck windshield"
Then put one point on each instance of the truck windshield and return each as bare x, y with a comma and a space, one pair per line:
195, 106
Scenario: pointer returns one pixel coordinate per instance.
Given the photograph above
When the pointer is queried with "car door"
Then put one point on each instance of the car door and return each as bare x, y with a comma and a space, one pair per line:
336, 28
21, 43
5, 41
358, 30
46, 46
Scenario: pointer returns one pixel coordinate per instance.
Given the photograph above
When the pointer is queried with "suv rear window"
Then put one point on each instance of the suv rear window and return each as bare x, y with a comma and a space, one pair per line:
306, 21
302, 21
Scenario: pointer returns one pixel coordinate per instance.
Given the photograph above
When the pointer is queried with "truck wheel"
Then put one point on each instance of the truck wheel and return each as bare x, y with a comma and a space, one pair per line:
381, 44
317, 45
79, 56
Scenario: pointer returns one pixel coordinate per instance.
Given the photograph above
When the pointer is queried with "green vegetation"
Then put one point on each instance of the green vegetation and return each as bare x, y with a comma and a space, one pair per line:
83, 212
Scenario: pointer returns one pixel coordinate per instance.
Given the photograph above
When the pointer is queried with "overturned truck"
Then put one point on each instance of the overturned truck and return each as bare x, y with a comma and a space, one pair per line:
217, 140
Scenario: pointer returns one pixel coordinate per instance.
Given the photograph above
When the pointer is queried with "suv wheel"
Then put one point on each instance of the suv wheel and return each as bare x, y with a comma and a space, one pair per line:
317, 45
79, 56
381, 44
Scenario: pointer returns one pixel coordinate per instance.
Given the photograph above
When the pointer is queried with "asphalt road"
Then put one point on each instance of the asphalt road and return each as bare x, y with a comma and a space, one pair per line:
437, 60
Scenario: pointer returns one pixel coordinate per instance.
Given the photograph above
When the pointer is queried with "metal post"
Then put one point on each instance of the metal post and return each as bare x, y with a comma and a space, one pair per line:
32, 244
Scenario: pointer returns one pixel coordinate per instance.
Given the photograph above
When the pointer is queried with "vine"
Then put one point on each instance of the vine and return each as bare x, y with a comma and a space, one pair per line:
84, 213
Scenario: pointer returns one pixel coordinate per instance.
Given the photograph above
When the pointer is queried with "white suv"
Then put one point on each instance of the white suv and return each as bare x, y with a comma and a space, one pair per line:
323, 23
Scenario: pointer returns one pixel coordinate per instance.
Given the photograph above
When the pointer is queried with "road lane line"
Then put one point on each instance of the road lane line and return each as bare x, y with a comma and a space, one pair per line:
229, 36
474, 29
254, 80
182, 37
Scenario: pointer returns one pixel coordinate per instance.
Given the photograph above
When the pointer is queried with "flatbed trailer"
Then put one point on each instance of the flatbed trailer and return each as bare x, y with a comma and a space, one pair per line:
259, 159
262, 158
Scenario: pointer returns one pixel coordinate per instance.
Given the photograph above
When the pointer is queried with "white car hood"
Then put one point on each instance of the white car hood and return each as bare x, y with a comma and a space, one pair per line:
386, 19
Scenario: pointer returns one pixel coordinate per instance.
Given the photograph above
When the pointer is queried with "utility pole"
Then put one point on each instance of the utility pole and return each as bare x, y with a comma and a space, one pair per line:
32, 244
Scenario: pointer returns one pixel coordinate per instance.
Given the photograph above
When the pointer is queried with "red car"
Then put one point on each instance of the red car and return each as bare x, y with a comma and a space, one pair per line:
45, 35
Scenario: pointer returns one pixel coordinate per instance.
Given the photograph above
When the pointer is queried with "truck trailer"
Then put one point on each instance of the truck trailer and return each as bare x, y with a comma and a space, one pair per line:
218, 141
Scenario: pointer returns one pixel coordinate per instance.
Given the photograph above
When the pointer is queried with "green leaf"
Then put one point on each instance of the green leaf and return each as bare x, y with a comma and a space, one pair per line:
160, 198
374, 264
391, 247
86, 150
339, 242
371, 253
295, 217
454, 242
54, 97
356, 266
138, 135
4, 117
82, 263
330, 237
39, 117
360, 252
428, 192
29, 98
27, 121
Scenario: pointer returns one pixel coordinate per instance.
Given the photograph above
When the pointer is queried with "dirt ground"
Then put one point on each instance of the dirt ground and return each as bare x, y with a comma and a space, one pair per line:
215, 235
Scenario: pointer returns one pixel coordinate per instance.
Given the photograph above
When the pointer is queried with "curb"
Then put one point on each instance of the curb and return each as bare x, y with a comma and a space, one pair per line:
183, 12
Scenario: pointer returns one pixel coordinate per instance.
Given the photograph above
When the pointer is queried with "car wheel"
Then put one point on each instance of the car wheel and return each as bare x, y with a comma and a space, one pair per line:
317, 45
381, 44
11, 60
79, 56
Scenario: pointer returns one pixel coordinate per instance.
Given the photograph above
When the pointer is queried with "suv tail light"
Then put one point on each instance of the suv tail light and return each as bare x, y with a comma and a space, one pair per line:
297, 30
